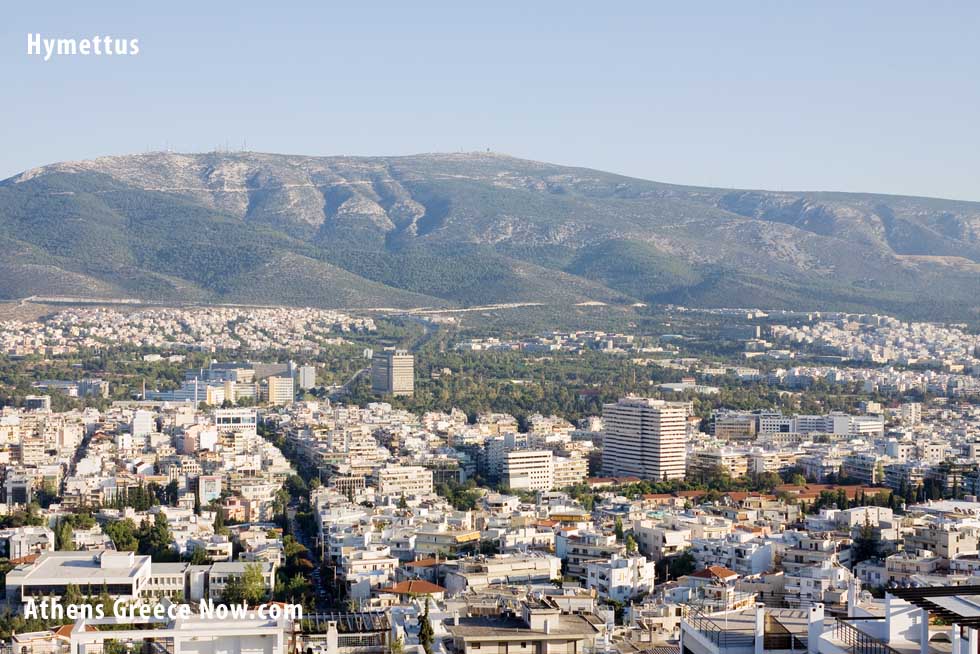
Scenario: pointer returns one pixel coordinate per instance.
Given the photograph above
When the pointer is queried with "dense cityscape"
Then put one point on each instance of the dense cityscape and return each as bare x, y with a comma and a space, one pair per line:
404, 481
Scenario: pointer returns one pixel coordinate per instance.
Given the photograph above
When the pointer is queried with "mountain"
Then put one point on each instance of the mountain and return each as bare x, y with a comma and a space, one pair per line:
469, 229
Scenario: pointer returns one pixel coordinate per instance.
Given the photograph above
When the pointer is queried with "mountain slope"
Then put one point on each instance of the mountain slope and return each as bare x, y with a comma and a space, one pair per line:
462, 229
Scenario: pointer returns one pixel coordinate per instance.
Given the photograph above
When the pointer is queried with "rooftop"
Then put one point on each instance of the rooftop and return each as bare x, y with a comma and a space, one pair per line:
501, 627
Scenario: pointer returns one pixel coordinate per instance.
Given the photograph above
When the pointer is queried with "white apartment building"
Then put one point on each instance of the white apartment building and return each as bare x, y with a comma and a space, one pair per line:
366, 569
529, 470
18, 542
645, 438
739, 551
763, 461
143, 424
570, 471
660, 541
620, 578
235, 420
477, 574
404, 480
732, 461
911, 413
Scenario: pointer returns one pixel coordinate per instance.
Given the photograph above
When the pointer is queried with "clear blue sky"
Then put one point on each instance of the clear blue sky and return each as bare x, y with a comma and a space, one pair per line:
866, 96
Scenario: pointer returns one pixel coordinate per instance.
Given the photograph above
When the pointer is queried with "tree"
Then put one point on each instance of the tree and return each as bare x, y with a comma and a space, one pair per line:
105, 600
172, 493
199, 556
73, 595
631, 546
402, 502
123, 535
865, 546
297, 587
618, 528
234, 591
426, 633
249, 587
681, 565
219, 521
156, 539
64, 537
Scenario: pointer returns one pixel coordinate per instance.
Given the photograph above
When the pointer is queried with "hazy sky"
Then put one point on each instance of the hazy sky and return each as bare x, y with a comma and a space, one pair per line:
858, 96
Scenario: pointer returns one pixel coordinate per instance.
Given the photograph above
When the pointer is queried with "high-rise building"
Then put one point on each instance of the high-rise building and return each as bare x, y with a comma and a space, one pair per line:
644, 438
279, 390
306, 376
393, 372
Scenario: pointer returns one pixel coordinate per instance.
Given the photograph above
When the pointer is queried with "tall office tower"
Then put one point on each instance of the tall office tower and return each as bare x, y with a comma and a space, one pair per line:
644, 438
393, 372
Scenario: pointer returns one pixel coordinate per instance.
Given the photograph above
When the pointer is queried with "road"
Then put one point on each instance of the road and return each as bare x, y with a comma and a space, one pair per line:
345, 389
322, 601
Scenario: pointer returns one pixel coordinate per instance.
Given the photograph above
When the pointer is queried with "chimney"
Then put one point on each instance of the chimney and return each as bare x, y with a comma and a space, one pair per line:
456, 618
547, 626
760, 628
814, 628
333, 638
852, 596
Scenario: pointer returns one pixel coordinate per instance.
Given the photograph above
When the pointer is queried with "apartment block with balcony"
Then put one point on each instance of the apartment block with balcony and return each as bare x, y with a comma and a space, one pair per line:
621, 578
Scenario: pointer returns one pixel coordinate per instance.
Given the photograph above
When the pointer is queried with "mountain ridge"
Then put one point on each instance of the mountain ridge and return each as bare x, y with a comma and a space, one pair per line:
470, 229
27, 173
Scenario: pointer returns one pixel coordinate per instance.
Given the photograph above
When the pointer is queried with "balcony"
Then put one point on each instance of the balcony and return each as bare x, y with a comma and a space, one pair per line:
733, 632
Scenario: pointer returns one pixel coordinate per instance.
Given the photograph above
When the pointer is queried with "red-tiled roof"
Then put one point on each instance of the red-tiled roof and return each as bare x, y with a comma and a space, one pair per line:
814, 490
715, 572
64, 631
414, 587
30, 558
